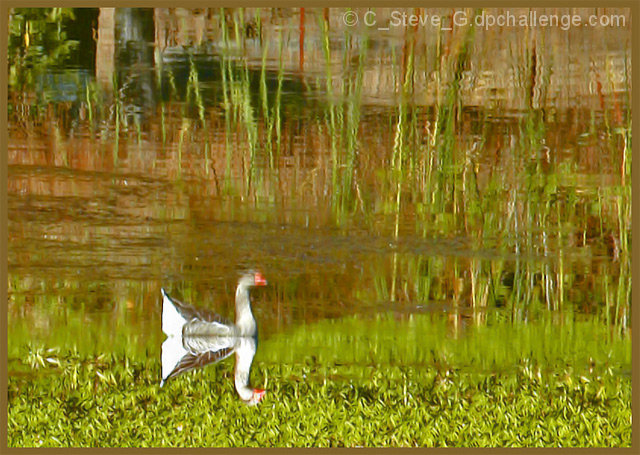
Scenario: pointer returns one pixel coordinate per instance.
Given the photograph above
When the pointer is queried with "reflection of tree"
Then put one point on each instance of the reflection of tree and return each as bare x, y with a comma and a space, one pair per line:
105, 47
47, 38
37, 40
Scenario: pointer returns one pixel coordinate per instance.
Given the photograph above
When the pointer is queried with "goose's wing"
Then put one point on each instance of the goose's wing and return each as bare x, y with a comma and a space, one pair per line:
191, 361
189, 312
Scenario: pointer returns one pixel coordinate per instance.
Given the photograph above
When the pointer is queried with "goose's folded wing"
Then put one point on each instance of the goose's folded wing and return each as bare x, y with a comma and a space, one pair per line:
191, 361
189, 312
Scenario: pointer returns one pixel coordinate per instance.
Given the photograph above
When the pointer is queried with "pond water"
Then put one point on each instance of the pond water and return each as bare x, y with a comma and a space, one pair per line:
450, 201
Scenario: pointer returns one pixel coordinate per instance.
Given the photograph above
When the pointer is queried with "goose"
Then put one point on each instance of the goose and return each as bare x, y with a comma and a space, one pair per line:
197, 337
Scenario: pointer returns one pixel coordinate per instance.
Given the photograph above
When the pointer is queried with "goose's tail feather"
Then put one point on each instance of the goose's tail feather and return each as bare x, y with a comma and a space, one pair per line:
172, 353
172, 320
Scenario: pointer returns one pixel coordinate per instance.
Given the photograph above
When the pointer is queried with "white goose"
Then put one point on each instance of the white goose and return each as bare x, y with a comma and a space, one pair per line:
197, 337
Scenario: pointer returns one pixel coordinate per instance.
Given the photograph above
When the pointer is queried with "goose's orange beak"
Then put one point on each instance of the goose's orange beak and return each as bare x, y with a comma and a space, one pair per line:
260, 280
258, 394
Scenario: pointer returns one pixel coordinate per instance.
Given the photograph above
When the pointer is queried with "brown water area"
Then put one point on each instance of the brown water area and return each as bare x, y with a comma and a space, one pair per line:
467, 173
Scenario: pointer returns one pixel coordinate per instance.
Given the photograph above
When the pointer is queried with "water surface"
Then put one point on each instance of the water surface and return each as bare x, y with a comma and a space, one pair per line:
459, 199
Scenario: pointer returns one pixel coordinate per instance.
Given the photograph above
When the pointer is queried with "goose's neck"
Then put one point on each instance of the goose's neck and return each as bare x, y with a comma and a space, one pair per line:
241, 380
245, 350
245, 322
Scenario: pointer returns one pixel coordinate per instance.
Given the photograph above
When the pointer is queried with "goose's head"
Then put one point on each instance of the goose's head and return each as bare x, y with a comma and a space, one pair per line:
250, 279
256, 397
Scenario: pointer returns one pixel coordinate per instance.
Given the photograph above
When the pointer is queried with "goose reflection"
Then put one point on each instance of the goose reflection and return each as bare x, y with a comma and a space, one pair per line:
197, 337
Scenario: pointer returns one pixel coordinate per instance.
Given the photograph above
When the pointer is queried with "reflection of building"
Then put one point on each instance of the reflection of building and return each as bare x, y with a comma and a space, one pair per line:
125, 57
504, 64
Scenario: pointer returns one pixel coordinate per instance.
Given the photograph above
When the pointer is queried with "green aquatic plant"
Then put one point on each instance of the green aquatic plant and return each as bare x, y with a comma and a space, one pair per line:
320, 394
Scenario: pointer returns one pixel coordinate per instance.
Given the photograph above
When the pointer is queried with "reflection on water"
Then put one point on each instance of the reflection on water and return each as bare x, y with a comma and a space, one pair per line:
411, 185
197, 337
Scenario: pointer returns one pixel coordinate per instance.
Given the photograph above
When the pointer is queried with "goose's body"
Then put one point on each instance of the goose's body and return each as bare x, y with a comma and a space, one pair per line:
197, 337
180, 318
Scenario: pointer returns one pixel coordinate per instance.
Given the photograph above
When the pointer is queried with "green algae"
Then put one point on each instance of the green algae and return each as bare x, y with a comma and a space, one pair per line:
326, 391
